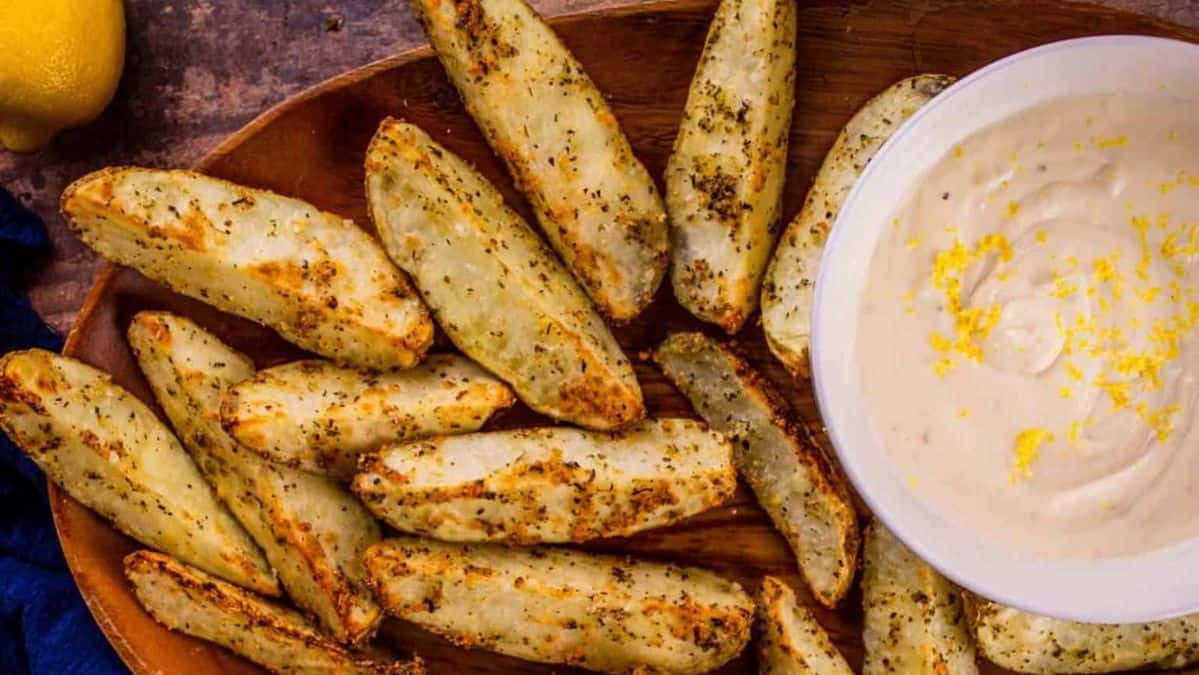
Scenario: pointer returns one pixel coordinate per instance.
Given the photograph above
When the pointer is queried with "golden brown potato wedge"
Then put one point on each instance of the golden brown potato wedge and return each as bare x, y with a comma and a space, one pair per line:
792, 478
553, 605
108, 450
312, 530
1027, 643
185, 599
494, 287
787, 291
321, 417
318, 280
724, 180
915, 623
543, 116
549, 485
791, 641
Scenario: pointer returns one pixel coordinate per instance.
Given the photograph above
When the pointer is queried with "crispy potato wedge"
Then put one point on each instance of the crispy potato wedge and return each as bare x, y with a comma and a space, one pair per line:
724, 180
544, 117
312, 530
318, 416
603, 613
788, 289
108, 450
792, 642
791, 476
494, 287
1027, 643
915, 622
185, 599
314, 277
549, 485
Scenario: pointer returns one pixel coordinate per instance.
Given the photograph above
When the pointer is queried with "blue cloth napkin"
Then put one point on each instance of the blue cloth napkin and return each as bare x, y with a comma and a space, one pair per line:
45, 629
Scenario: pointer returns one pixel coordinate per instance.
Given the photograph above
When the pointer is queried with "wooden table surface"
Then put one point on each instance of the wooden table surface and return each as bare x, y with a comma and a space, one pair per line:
197, 70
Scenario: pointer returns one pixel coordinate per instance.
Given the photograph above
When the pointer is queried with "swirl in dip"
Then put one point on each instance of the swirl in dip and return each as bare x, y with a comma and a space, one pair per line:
1028, 333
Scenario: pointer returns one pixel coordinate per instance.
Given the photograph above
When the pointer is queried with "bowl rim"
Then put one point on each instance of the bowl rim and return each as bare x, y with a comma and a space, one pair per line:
1132, 604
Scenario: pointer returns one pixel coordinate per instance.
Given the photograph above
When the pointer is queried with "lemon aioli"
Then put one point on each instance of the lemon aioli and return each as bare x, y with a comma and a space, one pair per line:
1029, 334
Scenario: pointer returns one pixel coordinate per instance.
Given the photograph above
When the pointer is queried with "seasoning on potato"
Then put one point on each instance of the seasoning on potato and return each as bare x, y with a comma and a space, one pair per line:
1027, 643
789, 287
791, 640
544, 117
553, 605
794, 481
321, 417
312, 530
496, 289
277, 638
105, 448
724, 180
551, 484
915, 622
314, 277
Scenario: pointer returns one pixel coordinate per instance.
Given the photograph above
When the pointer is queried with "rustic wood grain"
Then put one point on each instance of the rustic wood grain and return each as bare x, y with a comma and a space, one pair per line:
199, 69
312, 147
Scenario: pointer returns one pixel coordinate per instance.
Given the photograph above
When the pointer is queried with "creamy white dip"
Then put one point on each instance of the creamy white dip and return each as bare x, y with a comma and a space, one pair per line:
1029, 334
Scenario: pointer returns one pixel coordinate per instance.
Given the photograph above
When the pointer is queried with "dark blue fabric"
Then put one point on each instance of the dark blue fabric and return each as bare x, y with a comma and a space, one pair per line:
45, 629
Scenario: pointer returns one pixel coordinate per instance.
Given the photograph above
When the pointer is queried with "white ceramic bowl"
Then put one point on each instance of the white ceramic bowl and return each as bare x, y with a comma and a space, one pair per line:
1143, 587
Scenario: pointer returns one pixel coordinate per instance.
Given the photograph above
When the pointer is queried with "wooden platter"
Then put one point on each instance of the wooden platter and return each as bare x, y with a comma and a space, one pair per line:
642, 57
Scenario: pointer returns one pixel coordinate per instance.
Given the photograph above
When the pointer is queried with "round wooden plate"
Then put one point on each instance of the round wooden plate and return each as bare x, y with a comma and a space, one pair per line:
642, 57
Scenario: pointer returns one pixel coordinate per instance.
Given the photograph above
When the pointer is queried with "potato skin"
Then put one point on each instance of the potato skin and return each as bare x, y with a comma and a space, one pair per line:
724, 180
321, 417
596, 203
1028, 643
555, 605
549, 485
792, 478
495, 288
105, 448
789, 286
280, 639
915, 622
311, 529
314, 277
791, 642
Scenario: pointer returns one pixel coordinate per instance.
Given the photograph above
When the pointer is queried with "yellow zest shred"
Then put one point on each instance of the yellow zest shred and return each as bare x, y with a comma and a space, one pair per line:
1028, 450
972, 325
1075, 429
1074, 372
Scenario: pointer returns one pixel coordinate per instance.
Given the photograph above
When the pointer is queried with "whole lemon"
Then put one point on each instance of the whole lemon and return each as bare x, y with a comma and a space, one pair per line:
60, 61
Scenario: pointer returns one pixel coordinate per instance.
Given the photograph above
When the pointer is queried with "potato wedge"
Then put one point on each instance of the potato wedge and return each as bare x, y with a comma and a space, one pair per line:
544, 117
494, 287
314, 277
915, 622
1027, 643
312, 530
724, 180
320, 417
792, 642
185, 599
549, 485
788, 289
108, 450
792, 478
552, 605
